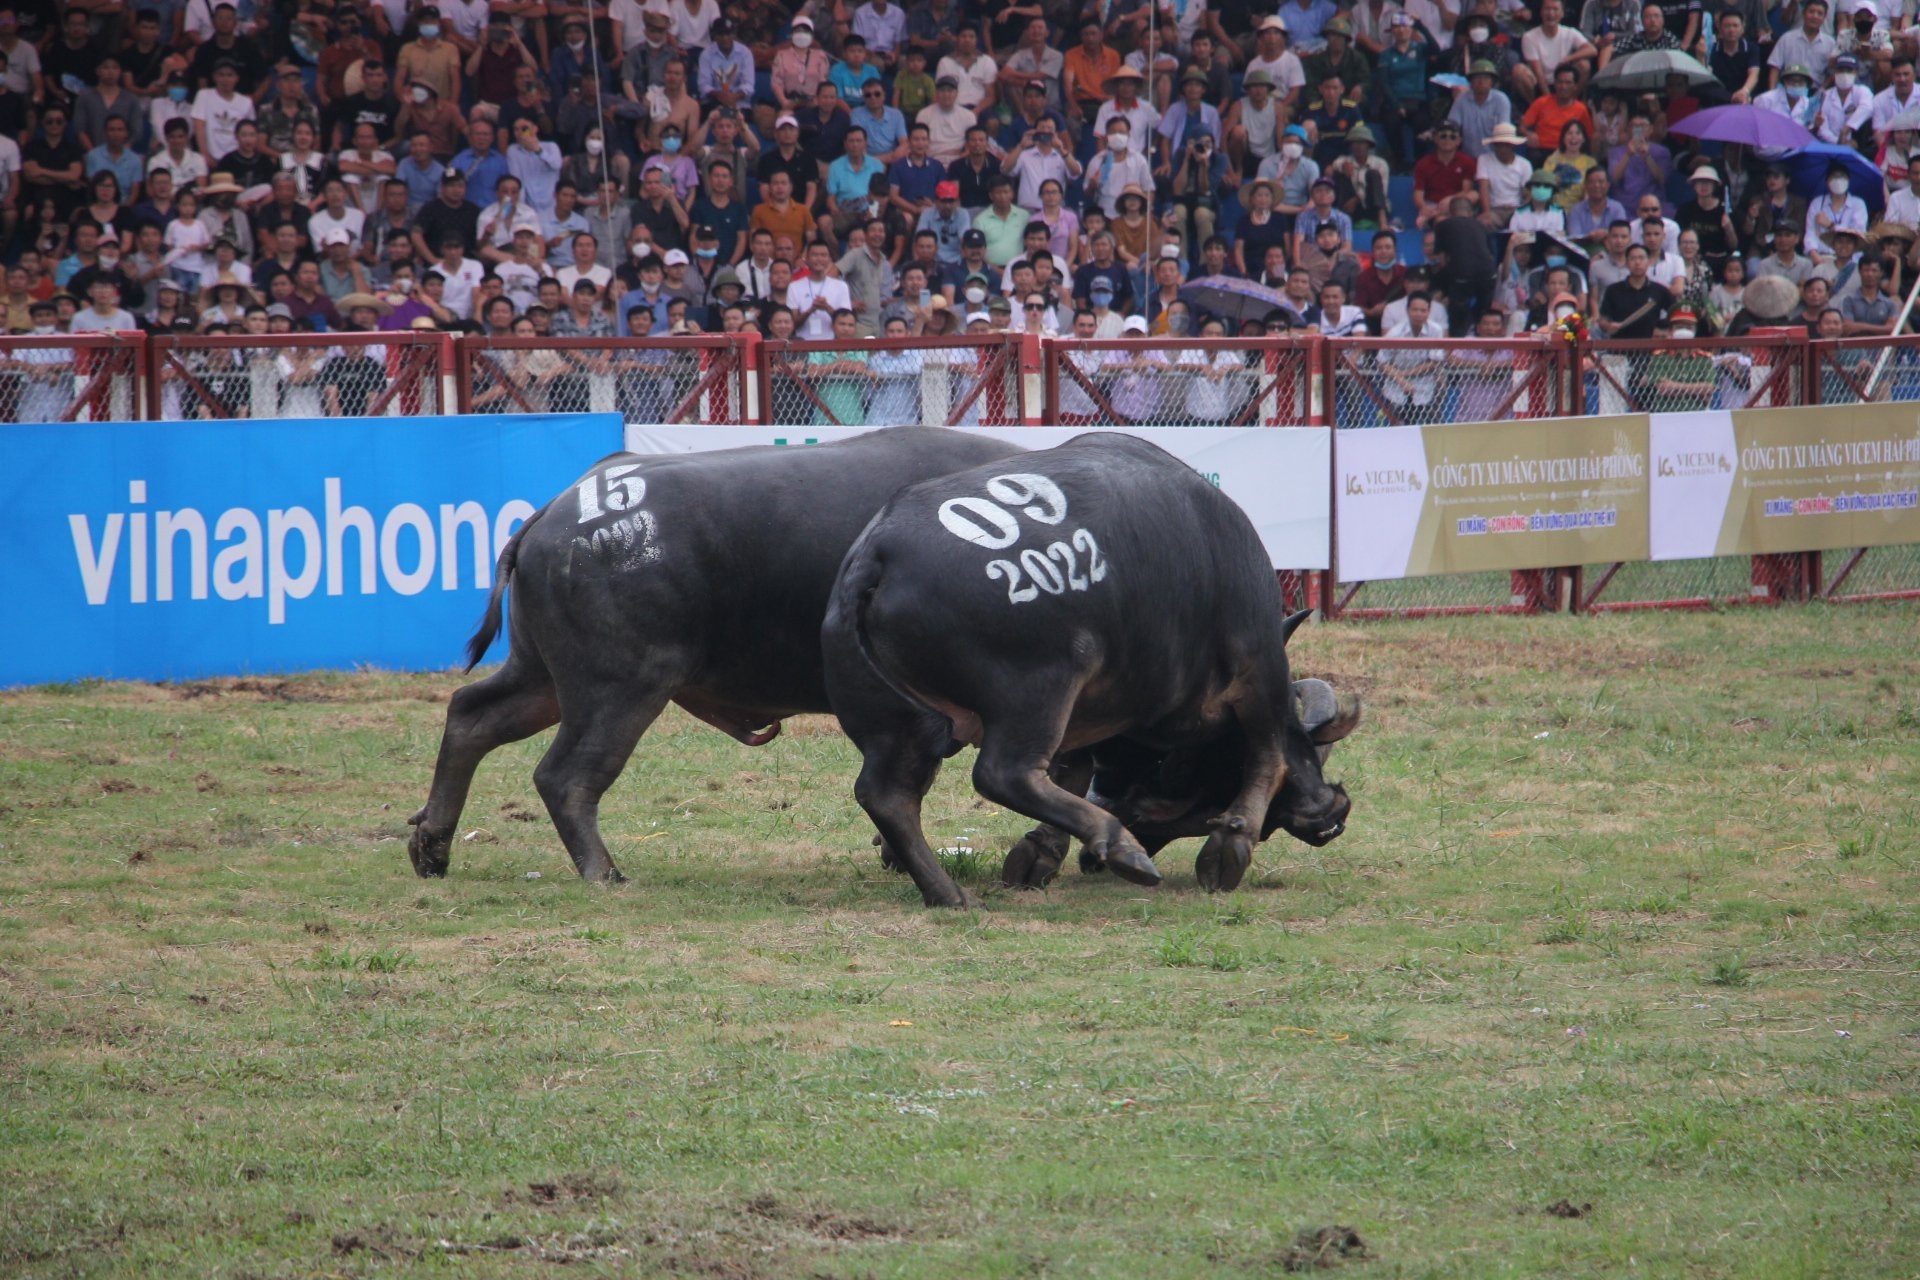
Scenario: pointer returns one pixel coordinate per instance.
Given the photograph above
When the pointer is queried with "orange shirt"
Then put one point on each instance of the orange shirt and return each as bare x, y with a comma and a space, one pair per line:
1548, 118
795, 221
1089, 74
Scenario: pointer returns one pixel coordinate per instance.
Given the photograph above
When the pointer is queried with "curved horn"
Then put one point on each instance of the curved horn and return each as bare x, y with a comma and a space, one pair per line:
1327, 716
1292, 624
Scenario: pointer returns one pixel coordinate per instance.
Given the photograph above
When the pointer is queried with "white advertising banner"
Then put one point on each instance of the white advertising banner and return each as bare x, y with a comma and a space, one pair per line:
1278, 475
1693, 475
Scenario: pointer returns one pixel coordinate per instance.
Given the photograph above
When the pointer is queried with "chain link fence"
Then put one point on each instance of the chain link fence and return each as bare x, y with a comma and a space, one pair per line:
82, 378
330, 375
1171, 382
663, 380
1705, 373
1394, 382
882, 382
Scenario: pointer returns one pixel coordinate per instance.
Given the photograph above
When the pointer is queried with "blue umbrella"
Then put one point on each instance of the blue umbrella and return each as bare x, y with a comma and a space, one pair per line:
1233, 296
1807, 173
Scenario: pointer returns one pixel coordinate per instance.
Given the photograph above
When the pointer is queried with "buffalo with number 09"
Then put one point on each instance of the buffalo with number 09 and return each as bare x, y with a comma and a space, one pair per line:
1040, 606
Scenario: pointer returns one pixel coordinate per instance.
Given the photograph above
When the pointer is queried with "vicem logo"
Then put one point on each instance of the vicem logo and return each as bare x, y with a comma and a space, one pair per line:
284, 553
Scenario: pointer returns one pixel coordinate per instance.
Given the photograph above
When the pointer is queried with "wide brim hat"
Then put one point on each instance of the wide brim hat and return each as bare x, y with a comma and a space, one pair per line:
353, 300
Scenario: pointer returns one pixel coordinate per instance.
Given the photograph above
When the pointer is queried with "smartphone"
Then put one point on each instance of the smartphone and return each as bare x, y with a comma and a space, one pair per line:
926, 296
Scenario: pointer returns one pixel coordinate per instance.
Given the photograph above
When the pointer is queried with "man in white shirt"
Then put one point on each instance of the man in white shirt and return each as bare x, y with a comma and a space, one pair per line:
1664, 266
217, 112
1846, 105
947, 122
1038, 158
1125, 85
1271, 55
1892, 100
1903, 206
973, 71
187, 166
815, 298
1552, 45
586, 266
500, 220
1502, 173
463, 275
1118, 165
336, 217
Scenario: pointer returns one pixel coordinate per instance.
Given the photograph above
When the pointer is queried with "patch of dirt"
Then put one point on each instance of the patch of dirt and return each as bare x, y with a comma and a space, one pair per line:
1564, 1208
571, 1189
204, 782
260, 690
282, 771
514, 811
317, 926
827, 1226
117, 786
137, 857
375, 1242
1323, 1249
1751, 724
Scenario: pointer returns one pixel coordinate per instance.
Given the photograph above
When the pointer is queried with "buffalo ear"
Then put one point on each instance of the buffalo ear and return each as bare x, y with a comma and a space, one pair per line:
1292, 624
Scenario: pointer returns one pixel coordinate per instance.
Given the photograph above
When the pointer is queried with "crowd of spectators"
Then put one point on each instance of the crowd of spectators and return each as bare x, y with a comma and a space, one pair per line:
843, 170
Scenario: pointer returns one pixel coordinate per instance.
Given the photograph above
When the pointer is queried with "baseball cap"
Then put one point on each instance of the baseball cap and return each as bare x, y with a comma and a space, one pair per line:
784, 121
676, 258
947, 82
980, 316
802, 21
973, 238
946, 190
1134, 324
280, 309
336, 236
1170, 251
1273, 22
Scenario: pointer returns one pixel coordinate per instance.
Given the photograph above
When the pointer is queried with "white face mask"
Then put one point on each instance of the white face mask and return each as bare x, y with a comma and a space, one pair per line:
1477, 34
640, 250
1119, 142
419, 94
976, 294
803, 40
576, 45
108, 261
1795, 92
595, 146
1837, 185
1843, 80
1683, 333
1292, 150
43, 329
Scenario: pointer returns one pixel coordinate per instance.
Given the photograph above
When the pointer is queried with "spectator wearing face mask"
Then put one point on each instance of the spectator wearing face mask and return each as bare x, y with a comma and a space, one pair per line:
1837, 209
1846, 108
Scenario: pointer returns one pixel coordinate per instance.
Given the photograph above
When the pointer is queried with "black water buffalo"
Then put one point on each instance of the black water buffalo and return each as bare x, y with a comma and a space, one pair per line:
695, 578
1043, 605
1163, 796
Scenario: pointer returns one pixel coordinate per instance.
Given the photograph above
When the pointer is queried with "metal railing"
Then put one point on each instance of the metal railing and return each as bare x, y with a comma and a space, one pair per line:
1013, 378
1223, 382
78, 378
665, 380
331, 375
892, 382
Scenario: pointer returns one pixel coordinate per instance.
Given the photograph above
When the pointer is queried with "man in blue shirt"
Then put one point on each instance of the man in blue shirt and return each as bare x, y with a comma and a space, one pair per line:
1305, 19
886, 127
849, 188
1187, 120
726, 69
481, 164
915, 177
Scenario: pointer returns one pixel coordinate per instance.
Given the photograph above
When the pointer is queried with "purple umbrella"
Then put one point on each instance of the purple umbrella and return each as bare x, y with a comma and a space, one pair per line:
1232, 296
1755, 126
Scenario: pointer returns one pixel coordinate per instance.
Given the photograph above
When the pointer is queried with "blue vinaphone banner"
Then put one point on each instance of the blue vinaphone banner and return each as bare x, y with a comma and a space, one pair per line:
155, 551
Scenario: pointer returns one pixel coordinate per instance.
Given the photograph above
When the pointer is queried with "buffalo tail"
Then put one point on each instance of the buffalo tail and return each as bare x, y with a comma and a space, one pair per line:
490, 621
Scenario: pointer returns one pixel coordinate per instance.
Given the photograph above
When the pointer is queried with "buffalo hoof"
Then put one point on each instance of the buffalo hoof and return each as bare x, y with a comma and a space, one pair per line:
1223, 861
1091, 863
961, 900
888, 858
1032, 863
1126, 859
430, 852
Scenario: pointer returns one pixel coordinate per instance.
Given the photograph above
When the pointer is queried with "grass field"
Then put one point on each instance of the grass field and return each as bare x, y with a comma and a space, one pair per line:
1613, 974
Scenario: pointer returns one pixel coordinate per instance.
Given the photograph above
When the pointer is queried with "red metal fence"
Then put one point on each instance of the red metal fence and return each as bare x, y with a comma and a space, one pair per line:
1351, 384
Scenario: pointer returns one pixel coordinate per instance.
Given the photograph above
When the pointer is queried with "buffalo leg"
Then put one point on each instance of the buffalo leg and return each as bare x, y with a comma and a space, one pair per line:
896, 771
1035, 860
1013, 770
1228, 852
515, 702
589, 752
